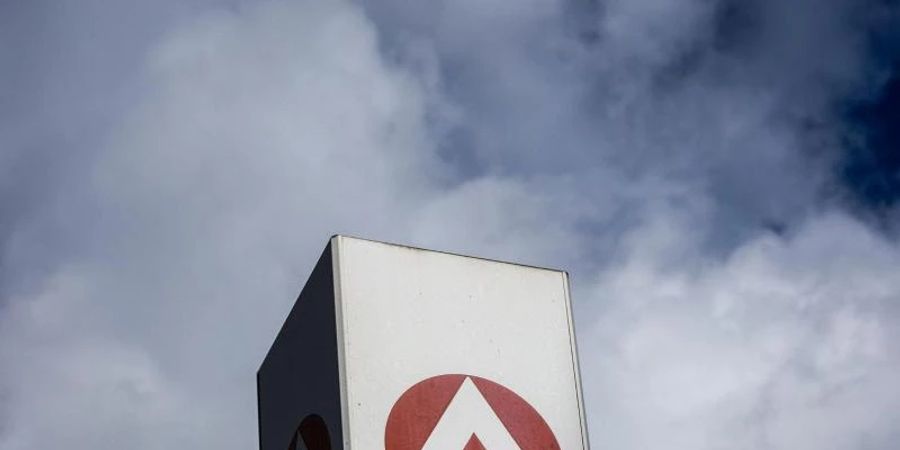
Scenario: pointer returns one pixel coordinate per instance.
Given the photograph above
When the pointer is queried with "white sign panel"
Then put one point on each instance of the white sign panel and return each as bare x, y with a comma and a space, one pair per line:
446, 352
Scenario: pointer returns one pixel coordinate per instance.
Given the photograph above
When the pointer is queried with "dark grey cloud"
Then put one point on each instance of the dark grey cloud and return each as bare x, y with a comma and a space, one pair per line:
706, 169
738, 98
871, 165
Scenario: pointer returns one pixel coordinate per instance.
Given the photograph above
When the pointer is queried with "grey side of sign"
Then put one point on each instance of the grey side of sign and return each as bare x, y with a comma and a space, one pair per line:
299, 376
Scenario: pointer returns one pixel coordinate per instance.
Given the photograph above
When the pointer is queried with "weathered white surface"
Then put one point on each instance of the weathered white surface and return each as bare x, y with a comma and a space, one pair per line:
406, 314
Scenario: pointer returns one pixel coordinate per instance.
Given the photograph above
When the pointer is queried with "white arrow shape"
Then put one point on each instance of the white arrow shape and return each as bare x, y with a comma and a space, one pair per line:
467, 414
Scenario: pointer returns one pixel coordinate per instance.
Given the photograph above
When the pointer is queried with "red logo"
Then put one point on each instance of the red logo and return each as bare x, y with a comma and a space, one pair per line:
465, 412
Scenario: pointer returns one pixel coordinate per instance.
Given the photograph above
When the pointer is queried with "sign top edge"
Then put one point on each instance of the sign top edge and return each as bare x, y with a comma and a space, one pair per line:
337, 237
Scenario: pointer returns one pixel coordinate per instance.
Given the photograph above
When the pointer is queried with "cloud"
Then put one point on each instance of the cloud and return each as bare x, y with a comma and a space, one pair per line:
195, 222
786, 343
678, 157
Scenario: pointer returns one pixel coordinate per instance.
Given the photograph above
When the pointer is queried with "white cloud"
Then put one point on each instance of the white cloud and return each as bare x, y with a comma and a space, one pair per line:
786, 343
257, 135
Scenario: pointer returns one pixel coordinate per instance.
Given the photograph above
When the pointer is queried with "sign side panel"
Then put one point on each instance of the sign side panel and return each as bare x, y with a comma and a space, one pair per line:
575, 363
299, 376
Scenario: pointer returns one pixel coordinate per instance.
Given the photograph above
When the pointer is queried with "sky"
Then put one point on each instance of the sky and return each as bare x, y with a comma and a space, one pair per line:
720, 177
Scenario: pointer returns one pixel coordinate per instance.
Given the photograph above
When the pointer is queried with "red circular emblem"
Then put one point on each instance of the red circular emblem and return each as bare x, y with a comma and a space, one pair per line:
465, 412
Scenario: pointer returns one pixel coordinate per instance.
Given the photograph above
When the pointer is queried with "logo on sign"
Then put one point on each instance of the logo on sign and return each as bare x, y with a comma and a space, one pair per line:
465, 412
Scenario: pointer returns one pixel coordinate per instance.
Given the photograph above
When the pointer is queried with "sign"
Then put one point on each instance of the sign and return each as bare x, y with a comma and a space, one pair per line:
400, 348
